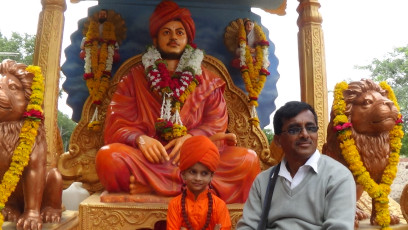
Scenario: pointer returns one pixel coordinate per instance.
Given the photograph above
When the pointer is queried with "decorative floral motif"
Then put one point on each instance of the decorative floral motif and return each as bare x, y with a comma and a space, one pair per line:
32, 119
98, 63
379, 192
174, 89
254, 72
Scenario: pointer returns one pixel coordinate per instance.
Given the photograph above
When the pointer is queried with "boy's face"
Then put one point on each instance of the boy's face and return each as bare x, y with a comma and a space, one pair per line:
197, 177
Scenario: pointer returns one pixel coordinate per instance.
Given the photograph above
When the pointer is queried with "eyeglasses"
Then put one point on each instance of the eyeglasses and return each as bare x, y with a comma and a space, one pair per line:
296, 130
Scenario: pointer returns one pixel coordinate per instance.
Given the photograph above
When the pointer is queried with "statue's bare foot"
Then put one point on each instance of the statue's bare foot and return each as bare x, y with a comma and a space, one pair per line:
51, 215
10, 213
136, 188
229, 138
361, 215
132, 185
30, 220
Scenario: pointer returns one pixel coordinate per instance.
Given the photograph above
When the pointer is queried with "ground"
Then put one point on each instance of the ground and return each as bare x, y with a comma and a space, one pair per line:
401, 180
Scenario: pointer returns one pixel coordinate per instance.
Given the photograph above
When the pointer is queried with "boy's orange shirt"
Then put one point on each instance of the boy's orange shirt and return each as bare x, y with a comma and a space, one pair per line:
197, 212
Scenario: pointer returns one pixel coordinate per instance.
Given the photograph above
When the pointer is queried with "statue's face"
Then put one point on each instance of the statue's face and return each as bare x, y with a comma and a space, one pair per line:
249, 26
171, 39
12, 100
373, 114
102, 14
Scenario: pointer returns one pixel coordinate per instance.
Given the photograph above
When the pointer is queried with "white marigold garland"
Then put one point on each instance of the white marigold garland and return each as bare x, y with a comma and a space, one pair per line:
98, 64
254, 73
174, 89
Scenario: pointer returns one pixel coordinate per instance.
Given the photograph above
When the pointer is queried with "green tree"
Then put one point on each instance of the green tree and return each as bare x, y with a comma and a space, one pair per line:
66, 127
393, 68
269, 134
19, 47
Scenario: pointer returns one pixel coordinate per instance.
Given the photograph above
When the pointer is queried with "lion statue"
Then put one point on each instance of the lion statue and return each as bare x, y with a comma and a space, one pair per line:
372, 115
38, 194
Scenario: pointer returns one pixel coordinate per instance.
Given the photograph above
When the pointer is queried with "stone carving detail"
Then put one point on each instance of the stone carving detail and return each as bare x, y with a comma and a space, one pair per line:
49, 35
312, 62
116, 219
123, 216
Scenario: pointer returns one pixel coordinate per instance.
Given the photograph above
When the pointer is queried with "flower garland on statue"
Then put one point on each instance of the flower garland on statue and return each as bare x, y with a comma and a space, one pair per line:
174, 89
98, 64
32, 120
379, 192
254, 73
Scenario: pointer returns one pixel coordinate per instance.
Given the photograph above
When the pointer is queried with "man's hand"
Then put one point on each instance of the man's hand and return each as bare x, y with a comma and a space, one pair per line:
217, 227
176, 144
152, 149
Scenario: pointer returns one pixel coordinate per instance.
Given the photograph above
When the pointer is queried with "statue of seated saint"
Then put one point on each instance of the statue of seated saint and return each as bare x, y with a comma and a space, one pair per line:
159, 104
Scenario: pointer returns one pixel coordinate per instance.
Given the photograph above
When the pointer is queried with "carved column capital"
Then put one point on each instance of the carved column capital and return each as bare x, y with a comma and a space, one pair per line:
308, 12
54, 3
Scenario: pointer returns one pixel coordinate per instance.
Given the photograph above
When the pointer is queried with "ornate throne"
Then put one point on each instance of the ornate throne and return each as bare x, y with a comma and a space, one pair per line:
79, 163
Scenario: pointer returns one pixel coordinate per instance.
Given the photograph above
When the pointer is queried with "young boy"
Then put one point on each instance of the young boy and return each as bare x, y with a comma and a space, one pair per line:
197, 208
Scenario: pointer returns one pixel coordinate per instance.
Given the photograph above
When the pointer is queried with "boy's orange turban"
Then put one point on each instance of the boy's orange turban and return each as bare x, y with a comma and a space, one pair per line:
168, 11
199, 149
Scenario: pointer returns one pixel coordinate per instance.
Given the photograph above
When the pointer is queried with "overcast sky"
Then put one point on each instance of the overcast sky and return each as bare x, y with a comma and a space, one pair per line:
355, 32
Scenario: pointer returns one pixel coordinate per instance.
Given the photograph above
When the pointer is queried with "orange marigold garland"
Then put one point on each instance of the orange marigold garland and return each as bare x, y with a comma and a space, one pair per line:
98, 64
379, 192
21, 155
254, 72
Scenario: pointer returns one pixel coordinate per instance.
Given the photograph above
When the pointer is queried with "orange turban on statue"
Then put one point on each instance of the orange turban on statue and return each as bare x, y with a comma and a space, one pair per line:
168, 11
199, 149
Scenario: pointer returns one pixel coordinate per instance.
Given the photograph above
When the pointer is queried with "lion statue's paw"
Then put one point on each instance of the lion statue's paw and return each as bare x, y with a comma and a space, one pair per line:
10, 213
30, 220
51, 215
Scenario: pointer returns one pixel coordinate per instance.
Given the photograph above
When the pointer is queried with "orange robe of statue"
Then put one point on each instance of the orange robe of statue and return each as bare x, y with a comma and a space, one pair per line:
134, 110
197, 212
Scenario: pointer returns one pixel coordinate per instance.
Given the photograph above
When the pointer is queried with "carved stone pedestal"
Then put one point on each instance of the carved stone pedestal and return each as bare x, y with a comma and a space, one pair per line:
96, 215
69, 221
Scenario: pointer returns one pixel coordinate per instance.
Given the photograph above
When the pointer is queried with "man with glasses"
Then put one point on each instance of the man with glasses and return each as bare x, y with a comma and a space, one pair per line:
306, 190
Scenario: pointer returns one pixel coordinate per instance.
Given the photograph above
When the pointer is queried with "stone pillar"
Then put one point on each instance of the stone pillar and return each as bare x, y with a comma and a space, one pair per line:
47, 56
312, 64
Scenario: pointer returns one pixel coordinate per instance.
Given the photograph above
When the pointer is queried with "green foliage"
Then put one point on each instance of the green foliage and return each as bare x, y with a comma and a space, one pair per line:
20, 44
269, 134
393, 69
66, 127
